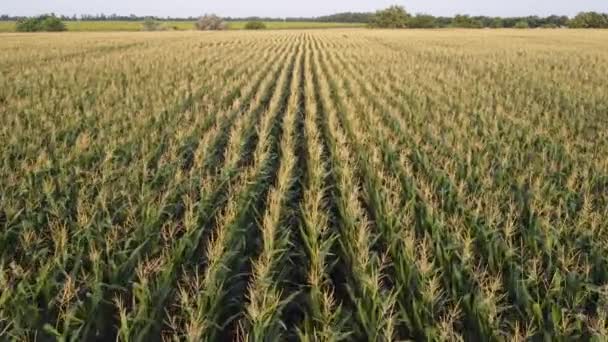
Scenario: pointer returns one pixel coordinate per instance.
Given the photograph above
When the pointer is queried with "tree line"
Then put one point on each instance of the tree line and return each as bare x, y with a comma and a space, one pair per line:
398, 17
392, 17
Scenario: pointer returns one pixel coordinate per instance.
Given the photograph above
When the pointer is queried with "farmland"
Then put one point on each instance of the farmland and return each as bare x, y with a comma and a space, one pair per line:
316, 185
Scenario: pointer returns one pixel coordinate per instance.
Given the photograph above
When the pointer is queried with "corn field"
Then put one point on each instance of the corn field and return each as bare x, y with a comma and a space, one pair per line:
326, 185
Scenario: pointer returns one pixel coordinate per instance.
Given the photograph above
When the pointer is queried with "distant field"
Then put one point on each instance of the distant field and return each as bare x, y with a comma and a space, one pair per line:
277, 25
7, 26
84, 26
122, 25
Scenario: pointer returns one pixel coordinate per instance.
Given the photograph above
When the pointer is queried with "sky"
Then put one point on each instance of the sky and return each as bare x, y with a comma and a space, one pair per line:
308, 8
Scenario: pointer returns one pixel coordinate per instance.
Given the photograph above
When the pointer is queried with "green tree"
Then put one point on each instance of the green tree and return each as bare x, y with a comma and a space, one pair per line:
497, 23
522, 24
422, 21
47, 22
589, 20
392, 17
255, 25
465, 21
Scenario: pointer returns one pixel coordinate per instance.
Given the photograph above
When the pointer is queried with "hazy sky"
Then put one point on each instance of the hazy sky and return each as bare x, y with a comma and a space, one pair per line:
278, 8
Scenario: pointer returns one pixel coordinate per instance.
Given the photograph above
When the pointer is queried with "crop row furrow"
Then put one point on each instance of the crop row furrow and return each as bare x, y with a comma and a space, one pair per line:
323, 320
480, 321
213, 301
373, 301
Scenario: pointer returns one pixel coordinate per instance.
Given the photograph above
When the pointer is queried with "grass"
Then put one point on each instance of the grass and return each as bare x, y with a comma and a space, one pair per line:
93, 26
304, 185
7, 26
